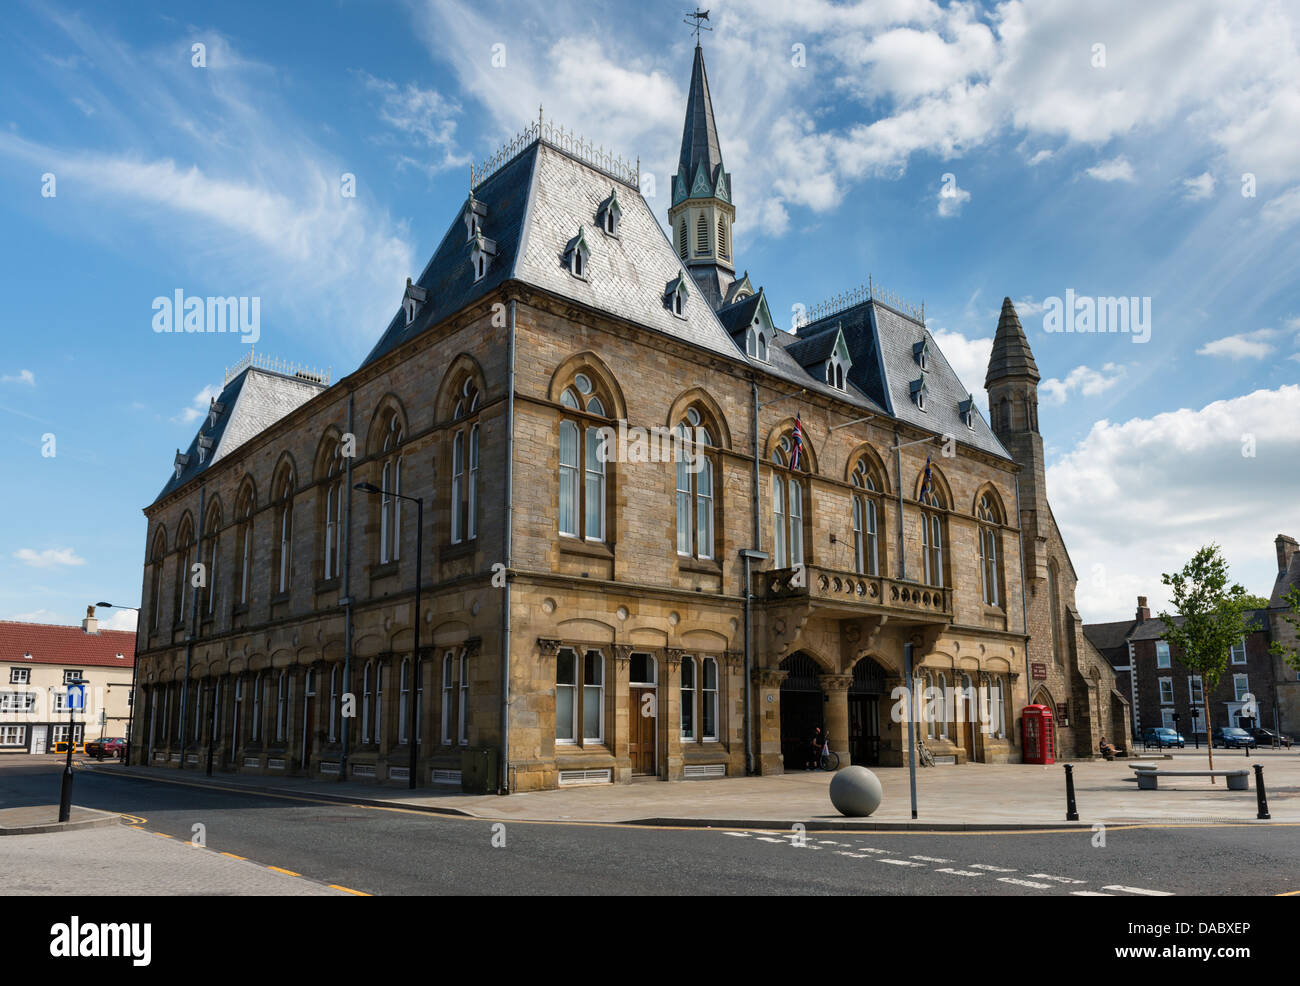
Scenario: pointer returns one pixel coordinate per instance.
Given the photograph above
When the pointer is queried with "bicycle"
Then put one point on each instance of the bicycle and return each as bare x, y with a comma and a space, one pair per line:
923, 753
830, 760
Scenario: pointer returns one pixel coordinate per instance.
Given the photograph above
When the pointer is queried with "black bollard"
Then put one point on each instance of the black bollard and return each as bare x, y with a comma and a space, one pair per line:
1260, 794
1071, 811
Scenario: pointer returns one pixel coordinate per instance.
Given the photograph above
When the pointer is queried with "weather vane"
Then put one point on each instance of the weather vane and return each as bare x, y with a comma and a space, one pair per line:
696, 20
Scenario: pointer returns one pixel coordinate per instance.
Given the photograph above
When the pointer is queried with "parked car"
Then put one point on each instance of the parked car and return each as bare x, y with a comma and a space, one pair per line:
1265, 737
1233, 737
1162, 736
111, 746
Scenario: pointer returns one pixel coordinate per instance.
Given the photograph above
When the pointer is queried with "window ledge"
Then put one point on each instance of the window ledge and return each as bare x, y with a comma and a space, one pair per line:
280, 597
464, 549
708, 566
589, 549
240, 609
328, 585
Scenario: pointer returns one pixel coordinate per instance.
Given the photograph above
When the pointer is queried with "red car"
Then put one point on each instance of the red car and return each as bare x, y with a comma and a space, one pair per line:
109, 747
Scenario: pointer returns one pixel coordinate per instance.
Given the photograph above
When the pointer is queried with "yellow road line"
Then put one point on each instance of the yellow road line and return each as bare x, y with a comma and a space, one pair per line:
233, 856
285, 872
349, 890
162, 835
1290, 893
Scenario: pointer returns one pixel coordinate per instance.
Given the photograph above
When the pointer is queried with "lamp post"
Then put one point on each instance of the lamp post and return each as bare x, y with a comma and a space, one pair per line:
135, 663
413, 736
65, 788
1196, 736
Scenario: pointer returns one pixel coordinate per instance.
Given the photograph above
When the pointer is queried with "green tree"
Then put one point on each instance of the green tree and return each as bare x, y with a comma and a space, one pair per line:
1288, 654
1256, 602
1212, 620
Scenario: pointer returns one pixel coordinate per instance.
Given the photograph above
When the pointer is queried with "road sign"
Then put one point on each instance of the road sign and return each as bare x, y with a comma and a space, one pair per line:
77, 697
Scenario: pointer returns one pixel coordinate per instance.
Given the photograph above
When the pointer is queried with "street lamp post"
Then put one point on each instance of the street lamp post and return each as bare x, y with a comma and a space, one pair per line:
1196, 736
413, 734
135, 663
65, 788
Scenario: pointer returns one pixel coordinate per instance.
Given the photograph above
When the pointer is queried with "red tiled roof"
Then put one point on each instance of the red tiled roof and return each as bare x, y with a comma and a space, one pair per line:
71, 646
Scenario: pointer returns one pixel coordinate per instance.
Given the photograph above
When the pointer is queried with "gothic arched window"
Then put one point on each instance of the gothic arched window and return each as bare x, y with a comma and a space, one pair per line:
464, 464
932, 534
282, 497
867, 508
695, 494
244, 544
582, 462
990, 555
788, 497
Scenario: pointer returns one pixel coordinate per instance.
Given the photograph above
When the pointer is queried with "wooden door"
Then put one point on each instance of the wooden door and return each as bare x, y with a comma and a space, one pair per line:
642, 717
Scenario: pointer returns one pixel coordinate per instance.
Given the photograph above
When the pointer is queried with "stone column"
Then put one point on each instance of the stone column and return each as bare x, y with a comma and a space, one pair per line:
893, 735
836, 689
619, 725
767, 719
670, 715
731, 710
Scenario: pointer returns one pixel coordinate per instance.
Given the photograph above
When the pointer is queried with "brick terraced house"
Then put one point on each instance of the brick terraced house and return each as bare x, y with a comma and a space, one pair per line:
554, 346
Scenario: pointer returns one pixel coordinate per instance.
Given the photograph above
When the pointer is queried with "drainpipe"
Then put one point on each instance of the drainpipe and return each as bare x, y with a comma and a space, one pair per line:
344, 725
194, 625
1024, 606
898, 466
749, 595
503, 779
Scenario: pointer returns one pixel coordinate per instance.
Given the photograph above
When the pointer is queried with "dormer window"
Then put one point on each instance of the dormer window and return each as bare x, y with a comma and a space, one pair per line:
676, 295
917, 388
576, 255
610, 214
180, 462
481, 255
412, 300
474, 214
756, 341
921, 353
215, 410
835, 372
966, 409
205, 445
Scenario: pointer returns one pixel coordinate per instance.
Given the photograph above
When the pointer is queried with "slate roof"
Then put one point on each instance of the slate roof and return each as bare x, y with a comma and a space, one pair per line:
253, 401
880, 342
739, 315
1154, 629
1011, 356
1111, 640
1285, 580
815, 349
64, 645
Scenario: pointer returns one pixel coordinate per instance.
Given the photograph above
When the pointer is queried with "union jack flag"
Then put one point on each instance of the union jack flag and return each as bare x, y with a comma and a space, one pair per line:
796, 456
927, 483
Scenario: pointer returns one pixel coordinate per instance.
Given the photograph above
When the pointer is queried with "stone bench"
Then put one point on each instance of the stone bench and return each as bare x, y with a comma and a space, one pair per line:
1148, 775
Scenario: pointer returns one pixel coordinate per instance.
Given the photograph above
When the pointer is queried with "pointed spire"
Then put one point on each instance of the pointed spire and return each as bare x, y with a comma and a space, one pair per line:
1011, 356
700, 135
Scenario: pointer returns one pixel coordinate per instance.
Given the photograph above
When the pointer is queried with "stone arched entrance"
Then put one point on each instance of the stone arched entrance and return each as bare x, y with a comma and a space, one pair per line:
866, 694
801, 709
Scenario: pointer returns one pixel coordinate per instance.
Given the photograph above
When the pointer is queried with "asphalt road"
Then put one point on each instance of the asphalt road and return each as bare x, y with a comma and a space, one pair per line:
398, 851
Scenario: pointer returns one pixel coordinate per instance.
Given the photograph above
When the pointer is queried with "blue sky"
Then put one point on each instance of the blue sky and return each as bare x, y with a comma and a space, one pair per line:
1112, 171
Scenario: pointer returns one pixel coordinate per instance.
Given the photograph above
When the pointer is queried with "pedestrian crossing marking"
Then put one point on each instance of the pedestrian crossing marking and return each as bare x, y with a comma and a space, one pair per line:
1058, 879
992, 869
1139, 890
1024, 883
957, 872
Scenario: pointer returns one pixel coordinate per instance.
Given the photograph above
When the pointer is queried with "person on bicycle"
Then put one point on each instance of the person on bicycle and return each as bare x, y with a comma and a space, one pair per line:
818, 744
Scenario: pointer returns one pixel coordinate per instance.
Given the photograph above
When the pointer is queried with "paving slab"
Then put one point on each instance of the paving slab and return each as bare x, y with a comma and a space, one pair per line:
967, 797
38, 819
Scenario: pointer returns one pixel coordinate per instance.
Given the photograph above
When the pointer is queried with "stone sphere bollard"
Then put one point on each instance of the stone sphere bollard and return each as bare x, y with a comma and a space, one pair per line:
856, 791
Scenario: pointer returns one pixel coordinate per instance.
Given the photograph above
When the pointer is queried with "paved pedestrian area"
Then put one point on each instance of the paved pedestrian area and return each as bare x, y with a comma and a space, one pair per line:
970, 796
126, 861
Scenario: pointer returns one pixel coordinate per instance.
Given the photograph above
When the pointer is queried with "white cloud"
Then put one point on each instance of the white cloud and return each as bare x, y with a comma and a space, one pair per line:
951, 198
1243, 345
49, 558
969, 359
1138, 498
36, 616
1283, 211
198, 407
423, 115
1082, 380
1116, 169
22, 376
1039, 157
1200, 187
119, 619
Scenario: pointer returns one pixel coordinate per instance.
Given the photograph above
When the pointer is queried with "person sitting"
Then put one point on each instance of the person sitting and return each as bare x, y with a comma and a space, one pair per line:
1108, 750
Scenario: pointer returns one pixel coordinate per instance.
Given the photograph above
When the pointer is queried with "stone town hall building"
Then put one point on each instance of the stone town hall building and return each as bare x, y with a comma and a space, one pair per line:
607, 591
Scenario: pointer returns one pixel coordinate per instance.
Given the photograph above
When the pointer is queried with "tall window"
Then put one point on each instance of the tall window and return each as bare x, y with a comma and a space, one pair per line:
702, 234
694, 487
155, 605
367, 695
787, 506
582, 464
688, 698
756, 341
681, 238
404, 699
448, 690
990, 557
709, 699
1240, 687
212, 534
1238, 651
722, 238
462, 717
941, 710
866, 519
259, 693
997, 710
390, 481
237, 707
1162, 653
1166, 691
244, 544
282, 707
1055, 607
932, 536
334, 704
284, 530
579, 697
184, 561
332, 554
1195, 691
464, 467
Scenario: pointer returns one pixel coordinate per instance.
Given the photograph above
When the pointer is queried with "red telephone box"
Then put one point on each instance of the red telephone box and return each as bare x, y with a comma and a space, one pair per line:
1036, 732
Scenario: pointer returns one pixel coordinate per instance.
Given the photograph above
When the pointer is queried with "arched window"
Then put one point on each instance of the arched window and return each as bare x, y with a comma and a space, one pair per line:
990, 519
695, 495
932, 532
332, 528
155, 604
236, 709
259, 697
702, 234
866, 518
927, 709
582, 464
390, 481
464, 464
756, 342
688, 698
462, 717
367, 685
1053, 590
244, 544
997, 712
283, 499
447, 692
184, 561
211, 535
282, 706
787, 505
941, 710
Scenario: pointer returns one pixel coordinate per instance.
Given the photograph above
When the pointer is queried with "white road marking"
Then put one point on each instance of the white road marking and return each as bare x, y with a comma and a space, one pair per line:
1024, 883
738, 835
930, 859
1139, 890
768, 838
1088, 893
899, 862
875, 852
1058, 879
957, 872
992, 869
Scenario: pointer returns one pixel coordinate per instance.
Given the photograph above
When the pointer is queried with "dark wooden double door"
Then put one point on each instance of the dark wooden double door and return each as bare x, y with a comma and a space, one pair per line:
642, 739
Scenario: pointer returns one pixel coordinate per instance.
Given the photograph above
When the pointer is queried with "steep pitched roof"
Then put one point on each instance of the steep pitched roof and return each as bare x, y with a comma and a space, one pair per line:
51, 644
1011, 356
815, 349
253, 401
1284, 583
700, 134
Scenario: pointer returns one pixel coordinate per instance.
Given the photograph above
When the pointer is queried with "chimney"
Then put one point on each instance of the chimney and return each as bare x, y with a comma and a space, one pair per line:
90, 624
1286, 547
1143, 613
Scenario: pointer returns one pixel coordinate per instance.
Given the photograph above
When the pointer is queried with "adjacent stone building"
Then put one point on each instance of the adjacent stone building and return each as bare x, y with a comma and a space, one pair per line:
662, 536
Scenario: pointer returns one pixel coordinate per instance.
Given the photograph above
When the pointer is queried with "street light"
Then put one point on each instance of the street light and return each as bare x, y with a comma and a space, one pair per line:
1196, 736
413, 734
65, 788
135, 663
